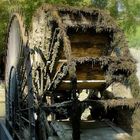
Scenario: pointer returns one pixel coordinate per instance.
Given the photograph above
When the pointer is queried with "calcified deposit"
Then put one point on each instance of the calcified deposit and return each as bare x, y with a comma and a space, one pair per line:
66, 50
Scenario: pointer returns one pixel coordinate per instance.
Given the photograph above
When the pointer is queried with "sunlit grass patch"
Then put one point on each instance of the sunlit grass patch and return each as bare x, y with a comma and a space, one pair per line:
134, 40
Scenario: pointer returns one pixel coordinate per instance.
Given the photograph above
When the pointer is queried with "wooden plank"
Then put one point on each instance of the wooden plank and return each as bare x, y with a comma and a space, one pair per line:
84, 50
84, 85
89, 44
97, 38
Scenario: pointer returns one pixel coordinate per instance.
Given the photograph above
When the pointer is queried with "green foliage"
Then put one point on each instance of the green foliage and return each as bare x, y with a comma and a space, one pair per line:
29, 6
4, 18
126, 12
134, 39
128, 18
102, 4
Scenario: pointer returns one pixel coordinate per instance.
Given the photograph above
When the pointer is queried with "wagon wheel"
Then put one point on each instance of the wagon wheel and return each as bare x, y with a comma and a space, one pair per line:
41, 80
45, 41
19, 95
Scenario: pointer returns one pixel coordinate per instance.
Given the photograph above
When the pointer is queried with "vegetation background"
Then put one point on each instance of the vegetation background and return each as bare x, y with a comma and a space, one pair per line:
125, 12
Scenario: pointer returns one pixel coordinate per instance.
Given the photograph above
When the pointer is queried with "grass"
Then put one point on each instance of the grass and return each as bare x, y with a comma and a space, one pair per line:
134, 39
